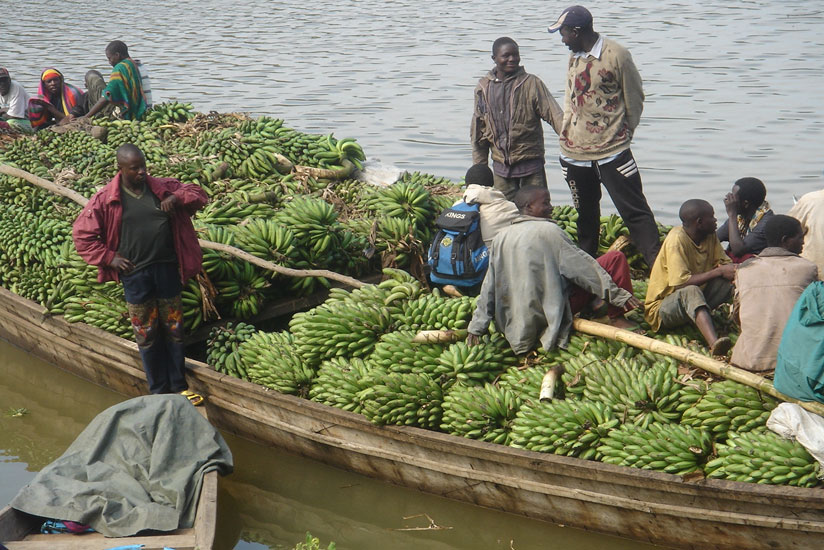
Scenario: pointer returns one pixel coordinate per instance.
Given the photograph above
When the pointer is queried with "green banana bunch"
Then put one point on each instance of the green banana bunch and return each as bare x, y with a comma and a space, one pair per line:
169, 112
637, 393
223, 345
192, 300
483, 412
340, 382
268, 240
436, 312
669, 448
271, 360
398, 242
101, 311
761, 456
563, 427
612, 227
219, 266
406, 200
525, 381
404, 399
729, 406
338, 330
242, 294
395, 353
474, 365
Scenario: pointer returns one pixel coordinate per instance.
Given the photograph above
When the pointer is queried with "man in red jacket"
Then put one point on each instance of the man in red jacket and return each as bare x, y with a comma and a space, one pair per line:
138, 230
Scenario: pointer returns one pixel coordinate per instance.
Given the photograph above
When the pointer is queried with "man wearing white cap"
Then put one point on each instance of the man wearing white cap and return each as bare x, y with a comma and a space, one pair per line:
602, 107
14, 102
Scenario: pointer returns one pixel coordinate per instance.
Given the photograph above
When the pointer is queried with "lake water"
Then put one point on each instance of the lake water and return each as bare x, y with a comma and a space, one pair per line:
733, 89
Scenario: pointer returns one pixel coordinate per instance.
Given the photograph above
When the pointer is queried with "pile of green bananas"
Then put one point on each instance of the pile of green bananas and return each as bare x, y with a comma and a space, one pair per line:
760, 456
566, 216
404, 399
564, 427
483, 412
101, 311
436, 312
729, 406
524, 380
669, 448
271, 360
341, 383
222, 351
474, 365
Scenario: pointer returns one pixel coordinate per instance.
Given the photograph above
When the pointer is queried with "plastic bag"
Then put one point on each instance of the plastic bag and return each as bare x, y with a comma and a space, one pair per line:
791, 421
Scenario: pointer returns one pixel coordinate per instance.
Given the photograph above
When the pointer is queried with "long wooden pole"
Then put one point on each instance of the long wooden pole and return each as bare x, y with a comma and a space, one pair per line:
719, 368
236, 252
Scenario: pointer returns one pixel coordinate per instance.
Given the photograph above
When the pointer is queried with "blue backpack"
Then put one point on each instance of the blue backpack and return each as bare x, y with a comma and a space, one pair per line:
458, 255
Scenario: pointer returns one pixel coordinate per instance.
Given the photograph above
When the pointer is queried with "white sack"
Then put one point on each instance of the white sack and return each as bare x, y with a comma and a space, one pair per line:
791, 421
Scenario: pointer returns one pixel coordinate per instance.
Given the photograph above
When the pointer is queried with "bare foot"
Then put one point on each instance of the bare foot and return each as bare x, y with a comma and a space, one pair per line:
626, 324
721, 346
452, 291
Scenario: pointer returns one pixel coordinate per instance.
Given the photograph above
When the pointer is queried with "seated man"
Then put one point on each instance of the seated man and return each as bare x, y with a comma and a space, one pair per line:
14, 103
766, 289
799, 367
125, 87
690, 276
496, 211
532, 272
748, 212
809, 210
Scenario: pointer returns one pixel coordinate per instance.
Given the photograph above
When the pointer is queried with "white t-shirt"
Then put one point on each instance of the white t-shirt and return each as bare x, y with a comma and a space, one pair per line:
16, 102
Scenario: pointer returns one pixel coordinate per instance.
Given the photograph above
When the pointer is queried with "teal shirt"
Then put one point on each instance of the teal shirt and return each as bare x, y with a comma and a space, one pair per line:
799, 370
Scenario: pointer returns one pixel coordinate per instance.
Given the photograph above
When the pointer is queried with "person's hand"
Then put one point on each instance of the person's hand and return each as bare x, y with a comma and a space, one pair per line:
472, 339
65, 120
731, 205
121, 264
632, 303
168, 204
727, 271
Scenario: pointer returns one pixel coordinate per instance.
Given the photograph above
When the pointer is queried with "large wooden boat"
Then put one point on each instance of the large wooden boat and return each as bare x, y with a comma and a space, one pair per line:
643, 505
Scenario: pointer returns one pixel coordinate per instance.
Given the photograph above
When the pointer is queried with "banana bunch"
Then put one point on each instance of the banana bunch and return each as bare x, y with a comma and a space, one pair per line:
581, 351
636, 393
567, 219
192, 300
268, 240
400, 292
101, 311
137, 132
404, 399
242, 294
318, 151
692, 392
524, 380
483, 412
169, 112
314, 224
219, 266
761, 456
395, 353
474, 365
563, 427
261, 163
338, 330
398, 242
223, 345
226, 212
669, 448
32, 237
612, 227
407, 200
32, 283
340, 381
435, 312
639, 288
271, 360
729, 407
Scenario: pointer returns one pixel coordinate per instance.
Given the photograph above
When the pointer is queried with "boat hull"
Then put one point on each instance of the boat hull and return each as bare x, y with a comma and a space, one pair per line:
648, 506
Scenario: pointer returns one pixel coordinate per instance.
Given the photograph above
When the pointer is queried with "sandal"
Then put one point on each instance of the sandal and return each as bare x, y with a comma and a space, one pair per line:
194, 398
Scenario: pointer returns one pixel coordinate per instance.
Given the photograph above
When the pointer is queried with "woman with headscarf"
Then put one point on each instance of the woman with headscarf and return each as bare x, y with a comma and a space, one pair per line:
55, 100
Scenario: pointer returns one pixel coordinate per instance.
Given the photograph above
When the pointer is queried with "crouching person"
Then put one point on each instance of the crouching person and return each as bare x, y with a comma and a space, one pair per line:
533, 271
691, 276
138, 230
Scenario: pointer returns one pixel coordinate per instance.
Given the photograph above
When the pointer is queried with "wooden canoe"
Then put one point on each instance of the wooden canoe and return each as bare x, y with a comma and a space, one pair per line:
21, 531
653, 507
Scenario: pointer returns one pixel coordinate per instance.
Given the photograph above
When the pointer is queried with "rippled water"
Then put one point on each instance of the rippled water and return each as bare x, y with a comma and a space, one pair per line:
732, 90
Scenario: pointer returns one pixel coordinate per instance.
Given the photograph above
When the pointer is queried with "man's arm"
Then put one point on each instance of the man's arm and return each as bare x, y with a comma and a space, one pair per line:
480, 147
633, 89
547, 108
725, 270
188, 196
97, 107
88, 233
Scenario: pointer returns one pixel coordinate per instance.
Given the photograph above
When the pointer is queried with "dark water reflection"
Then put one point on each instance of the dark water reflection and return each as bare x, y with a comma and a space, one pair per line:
732, 90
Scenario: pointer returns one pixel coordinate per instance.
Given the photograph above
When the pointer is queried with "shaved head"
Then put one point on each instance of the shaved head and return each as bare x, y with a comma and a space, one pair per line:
693, 209
527, 194
128, 152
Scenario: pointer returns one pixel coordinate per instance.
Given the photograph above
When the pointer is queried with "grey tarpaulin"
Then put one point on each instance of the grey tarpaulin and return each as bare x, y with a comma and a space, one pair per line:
138, 465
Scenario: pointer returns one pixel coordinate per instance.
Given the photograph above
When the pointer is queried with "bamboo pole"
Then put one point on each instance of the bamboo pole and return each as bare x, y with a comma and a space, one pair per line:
719, 368
236, 252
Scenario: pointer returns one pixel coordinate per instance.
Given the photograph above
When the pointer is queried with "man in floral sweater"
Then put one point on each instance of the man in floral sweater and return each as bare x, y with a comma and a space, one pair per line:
602, 107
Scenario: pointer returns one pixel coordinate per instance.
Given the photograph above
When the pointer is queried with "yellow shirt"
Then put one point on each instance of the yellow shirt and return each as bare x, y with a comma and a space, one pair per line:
679, 259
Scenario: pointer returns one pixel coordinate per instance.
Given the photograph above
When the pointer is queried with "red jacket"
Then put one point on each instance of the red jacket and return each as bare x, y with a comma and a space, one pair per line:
96, 230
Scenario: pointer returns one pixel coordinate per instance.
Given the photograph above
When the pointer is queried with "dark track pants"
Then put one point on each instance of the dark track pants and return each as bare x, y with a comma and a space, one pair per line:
623, 183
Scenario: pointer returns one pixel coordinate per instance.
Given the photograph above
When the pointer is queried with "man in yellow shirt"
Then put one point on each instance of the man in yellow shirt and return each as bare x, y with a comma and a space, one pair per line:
691, 276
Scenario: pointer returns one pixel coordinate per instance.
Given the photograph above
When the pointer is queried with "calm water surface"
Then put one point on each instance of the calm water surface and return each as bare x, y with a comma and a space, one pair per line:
272, 498
733, 89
